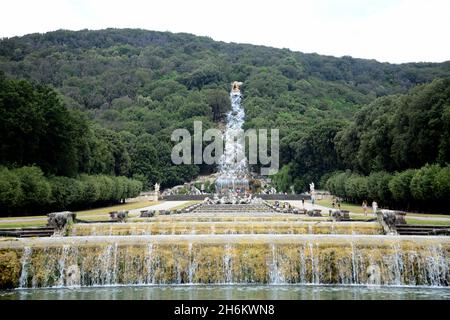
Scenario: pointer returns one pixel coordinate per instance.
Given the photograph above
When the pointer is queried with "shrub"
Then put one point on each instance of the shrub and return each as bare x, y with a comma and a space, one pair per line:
106, 186
422, 184
66, 192
134, 188
10, 190
91, 189
400, 186
378, 187
36, 190
441, 184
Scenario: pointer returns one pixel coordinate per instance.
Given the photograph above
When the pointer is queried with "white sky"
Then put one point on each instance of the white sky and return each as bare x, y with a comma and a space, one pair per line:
387, 30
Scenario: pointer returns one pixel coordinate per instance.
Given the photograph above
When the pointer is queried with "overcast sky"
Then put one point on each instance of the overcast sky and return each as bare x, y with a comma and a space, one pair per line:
387, 30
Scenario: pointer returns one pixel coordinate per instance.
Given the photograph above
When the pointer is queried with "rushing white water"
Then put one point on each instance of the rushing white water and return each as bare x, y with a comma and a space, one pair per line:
228, 264
306, 262
62, 263
192, 265
149, 265
26, 260
233, 165
314, 265
275, 274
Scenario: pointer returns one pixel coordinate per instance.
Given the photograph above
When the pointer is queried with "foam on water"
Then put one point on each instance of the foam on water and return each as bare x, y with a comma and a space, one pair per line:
233, 165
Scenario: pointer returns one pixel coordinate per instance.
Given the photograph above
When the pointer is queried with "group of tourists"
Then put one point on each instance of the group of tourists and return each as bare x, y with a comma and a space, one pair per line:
336, 203
374, 207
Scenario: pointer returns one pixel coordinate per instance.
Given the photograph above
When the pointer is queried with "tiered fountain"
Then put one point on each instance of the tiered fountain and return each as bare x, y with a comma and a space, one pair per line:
240, 245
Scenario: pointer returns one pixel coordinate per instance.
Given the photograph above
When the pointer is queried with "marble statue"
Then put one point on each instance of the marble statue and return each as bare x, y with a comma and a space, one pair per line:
236, 86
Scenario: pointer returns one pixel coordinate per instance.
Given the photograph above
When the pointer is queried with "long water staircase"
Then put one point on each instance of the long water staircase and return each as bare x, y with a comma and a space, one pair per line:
228, 244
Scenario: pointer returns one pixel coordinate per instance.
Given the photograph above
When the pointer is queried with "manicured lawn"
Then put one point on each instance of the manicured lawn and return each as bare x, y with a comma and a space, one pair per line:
362, 217
23, 218
344, 206
358, 209
84, 215
429, 215
428, 222
41, 223
119, 207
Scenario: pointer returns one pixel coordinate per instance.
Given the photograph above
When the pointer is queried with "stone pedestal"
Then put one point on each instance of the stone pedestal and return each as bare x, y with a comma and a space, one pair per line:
340, 215
120, 216
147, 213
60, 221
389, 219
400, 217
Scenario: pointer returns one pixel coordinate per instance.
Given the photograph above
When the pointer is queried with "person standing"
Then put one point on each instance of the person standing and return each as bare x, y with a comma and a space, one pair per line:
374, 207
303, 203
364, 205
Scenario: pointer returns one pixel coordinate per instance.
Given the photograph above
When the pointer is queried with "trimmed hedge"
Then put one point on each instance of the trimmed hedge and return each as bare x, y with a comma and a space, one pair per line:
415, 189
26, 191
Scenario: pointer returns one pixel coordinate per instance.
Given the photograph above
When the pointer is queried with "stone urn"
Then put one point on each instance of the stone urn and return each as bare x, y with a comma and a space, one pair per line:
122, 216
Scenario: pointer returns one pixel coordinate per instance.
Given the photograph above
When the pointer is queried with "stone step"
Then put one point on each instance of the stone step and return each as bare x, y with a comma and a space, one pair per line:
424, 230
407, 227
27, 232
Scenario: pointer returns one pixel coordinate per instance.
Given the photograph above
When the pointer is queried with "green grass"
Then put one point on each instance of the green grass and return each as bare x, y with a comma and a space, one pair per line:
358, 209
126, 206
344, 206
362, 217
23, 217
95, 214
104, 210
30, 224
430, 215
427, 222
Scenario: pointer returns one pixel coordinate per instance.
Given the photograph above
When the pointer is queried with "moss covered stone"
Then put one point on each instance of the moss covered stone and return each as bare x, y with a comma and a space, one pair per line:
9, 269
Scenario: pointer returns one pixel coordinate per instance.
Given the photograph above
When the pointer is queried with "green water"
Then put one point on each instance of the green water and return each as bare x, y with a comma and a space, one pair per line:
230, 292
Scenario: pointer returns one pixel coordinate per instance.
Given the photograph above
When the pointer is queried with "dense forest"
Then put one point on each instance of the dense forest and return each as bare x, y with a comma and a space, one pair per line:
84, 164
104, 104
395, 150
398, 148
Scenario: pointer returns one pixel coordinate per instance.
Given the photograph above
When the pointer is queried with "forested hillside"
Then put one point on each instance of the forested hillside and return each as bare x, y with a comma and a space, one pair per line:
125, 91
84, 164
398, 151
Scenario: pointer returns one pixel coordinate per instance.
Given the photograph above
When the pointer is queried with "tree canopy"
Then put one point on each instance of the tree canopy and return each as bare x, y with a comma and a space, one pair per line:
104, 103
